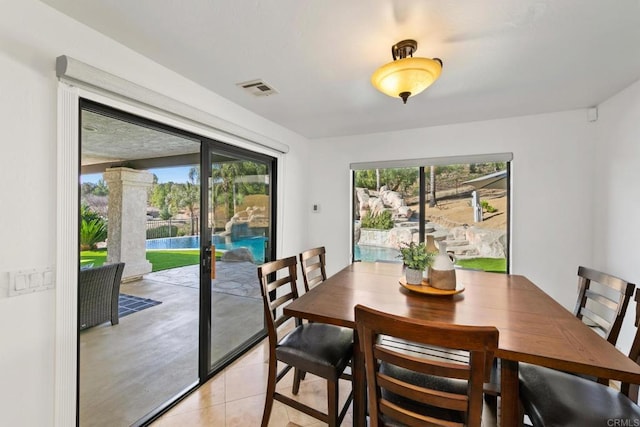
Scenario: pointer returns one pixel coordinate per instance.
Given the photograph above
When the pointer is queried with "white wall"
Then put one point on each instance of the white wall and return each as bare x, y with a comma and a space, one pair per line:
616, 197
552, 176
32, 35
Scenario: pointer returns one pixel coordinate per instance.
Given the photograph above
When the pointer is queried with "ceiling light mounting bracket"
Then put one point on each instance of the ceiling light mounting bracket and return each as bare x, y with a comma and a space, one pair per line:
404, 49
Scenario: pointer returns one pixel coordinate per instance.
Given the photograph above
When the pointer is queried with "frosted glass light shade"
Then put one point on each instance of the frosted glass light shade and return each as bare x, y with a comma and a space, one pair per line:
406, 76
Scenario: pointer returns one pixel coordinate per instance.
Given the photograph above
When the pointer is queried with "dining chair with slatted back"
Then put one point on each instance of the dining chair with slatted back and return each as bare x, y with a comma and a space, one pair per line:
550, 397
321, 349
604, 305
408, 387
312, 263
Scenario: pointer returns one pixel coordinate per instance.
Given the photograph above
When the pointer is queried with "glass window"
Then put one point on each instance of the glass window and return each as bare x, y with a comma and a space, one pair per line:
465, 205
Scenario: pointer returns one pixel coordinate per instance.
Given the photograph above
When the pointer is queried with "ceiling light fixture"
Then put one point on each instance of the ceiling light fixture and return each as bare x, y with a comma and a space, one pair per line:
406, 76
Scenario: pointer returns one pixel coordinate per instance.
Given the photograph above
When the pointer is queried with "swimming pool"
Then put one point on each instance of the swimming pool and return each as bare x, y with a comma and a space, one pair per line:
375, 253
256, 244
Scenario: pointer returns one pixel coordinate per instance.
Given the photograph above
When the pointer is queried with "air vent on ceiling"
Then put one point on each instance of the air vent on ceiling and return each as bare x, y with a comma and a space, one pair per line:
257, 88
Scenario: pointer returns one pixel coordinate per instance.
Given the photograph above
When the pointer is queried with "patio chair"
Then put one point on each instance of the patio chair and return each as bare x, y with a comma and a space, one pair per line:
98, 292
406, 386
551, 397
320, 349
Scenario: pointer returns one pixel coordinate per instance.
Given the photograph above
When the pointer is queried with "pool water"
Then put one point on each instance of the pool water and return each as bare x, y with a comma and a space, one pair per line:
256, 244
375, 253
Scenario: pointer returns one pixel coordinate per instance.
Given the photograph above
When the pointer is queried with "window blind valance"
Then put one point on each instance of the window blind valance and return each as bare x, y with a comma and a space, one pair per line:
79, 74
433, 161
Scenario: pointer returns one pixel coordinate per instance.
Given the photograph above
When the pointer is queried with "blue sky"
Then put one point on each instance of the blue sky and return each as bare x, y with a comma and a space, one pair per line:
177, 174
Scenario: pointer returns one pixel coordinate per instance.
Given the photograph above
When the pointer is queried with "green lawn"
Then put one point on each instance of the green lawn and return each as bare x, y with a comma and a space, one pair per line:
497, 265
164, 259
159, 259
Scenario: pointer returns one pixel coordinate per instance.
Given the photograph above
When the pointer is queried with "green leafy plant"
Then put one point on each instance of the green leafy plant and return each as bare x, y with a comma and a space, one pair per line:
88, 214
415, 255
165, 214
93, 228
487, 207
92, 232
381, 221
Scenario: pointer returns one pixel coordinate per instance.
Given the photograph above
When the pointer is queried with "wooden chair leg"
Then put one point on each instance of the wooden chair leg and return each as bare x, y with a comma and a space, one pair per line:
297, 377
271, 390
332, 402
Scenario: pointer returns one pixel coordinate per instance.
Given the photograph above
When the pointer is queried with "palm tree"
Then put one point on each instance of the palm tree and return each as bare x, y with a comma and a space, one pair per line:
223, 175
187, 196
227, 175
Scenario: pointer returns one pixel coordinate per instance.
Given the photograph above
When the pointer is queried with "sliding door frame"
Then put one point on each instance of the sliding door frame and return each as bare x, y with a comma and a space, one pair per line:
208, 147
66, 408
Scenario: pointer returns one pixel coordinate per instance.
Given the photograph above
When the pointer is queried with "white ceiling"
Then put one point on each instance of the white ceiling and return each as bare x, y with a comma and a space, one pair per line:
502, 58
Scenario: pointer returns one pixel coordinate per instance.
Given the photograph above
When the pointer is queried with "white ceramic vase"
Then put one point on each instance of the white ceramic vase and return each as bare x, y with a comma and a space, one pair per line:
443, 273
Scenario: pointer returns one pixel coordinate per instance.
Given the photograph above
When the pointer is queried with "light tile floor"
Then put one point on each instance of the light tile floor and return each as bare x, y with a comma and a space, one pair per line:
235, 397
129, 369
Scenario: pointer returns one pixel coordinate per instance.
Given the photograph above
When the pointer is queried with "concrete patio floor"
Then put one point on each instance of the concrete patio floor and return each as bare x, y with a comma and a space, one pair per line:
129, 369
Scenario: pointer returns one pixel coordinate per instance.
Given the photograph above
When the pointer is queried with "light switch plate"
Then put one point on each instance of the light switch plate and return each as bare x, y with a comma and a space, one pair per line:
33, 280
20, 282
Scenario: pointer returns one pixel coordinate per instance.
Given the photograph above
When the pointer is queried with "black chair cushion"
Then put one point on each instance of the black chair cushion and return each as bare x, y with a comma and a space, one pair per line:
321, 349
554, 398
421, 380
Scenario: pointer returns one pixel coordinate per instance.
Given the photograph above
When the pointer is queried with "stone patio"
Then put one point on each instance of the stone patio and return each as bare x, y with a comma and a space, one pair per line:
233, 278
129, 369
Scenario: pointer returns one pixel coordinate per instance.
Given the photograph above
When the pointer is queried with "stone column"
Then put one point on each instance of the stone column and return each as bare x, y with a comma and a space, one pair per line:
126, 240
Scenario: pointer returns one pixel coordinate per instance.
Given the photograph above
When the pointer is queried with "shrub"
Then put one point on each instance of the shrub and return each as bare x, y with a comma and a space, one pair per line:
164, 213
162, 231
87, 213
381, 221
93, 228
92, 232
184, 229
487, 207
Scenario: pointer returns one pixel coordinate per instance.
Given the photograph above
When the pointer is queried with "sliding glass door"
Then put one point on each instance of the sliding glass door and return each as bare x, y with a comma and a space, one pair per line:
238, 199
137, 208
191, 218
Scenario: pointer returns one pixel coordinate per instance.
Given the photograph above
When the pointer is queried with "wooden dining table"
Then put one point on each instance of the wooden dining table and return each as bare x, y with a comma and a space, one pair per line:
533, 327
